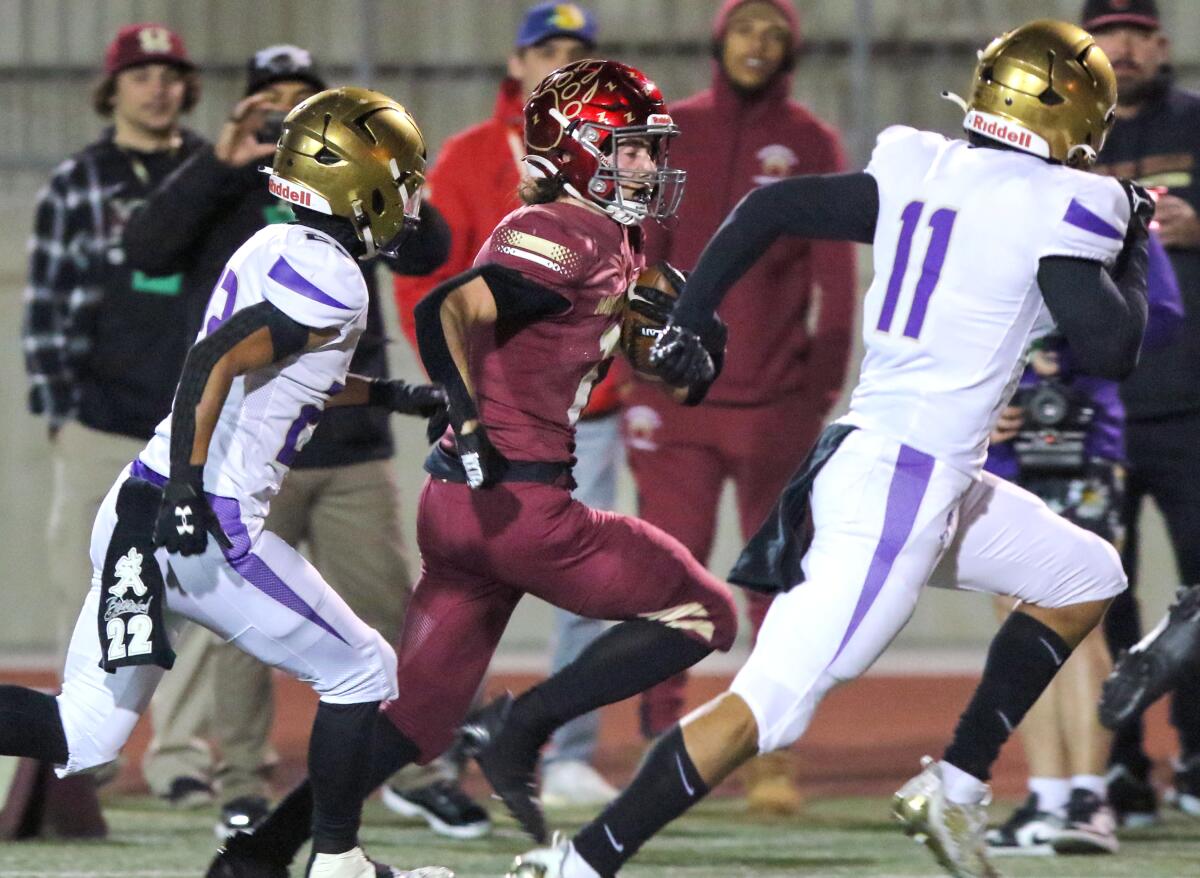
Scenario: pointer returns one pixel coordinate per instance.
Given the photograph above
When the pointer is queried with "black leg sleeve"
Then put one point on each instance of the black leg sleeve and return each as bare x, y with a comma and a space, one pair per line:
628, 658
30, 725
665, 787
1022, 660
339, 759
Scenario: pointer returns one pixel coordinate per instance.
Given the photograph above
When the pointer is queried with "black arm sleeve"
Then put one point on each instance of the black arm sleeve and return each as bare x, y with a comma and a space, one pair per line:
835, 207
159, 235
1102, 320
517, 299
425, 247
287, 337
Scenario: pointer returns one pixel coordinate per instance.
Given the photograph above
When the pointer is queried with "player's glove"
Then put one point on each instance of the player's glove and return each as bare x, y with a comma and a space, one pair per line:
482, 461
1141, 211
680, 358
185, 518
423, 400
714, 337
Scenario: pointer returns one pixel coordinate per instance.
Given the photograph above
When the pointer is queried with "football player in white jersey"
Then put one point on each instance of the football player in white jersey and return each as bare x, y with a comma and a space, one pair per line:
273, 353
980, 245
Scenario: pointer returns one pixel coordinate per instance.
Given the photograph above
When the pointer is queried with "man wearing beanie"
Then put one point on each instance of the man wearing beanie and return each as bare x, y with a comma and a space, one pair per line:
1156, 142
92, 320
743, 132
342, 489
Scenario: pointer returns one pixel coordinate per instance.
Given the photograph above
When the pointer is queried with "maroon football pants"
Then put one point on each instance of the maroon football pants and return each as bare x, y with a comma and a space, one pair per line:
680, 459
482, 550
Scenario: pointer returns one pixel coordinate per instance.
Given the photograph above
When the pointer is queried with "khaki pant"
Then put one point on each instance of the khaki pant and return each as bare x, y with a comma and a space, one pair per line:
349, 519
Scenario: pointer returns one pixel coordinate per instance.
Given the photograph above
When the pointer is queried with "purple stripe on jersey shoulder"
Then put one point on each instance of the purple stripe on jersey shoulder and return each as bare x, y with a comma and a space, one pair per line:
254, 569
284, 275
1080, 217
909, 481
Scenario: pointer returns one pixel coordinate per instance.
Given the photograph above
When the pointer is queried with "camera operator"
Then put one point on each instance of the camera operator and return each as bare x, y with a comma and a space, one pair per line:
1062, 437
341, 492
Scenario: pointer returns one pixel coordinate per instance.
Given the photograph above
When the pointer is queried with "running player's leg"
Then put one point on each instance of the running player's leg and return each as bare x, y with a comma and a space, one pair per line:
265, 598
883, 513
1009, 542
678, 490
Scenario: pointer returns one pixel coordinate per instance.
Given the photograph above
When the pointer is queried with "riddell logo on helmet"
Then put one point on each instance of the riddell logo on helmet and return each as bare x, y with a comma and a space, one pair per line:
283, 190
294, 193
1005, 131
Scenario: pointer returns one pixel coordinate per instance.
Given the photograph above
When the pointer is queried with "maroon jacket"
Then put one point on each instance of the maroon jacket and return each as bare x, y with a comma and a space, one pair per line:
730, 145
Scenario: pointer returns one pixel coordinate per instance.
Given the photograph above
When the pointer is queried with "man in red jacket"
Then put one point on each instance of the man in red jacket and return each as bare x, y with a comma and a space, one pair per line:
780, 378
474, 184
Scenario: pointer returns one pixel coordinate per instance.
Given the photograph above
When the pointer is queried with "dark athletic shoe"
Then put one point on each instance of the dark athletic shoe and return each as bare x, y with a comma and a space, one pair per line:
509, 761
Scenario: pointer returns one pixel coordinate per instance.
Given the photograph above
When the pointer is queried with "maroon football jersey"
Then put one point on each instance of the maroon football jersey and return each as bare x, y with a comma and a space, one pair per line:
532, 381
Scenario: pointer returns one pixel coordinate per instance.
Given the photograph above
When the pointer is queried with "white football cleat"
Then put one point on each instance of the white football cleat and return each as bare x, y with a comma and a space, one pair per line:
354, 864
953, 833
559, 860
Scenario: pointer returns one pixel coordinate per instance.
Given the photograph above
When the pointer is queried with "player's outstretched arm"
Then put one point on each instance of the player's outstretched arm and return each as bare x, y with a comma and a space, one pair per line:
250, 339
835, 207
445, 320
422, 400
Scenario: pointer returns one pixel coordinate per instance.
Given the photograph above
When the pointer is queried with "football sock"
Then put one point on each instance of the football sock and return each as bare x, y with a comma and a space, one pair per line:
960, 787
666, 785
1093, 783
1024, 657
30, 725
628, 658
1052, 794
339, 759
288, 827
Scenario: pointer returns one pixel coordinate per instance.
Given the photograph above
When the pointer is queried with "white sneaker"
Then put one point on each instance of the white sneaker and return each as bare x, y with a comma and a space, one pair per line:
953, 833
354, 864
557, 861
572, 782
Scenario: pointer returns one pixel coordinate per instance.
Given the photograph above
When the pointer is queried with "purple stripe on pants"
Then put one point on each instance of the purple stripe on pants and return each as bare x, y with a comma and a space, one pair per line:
909, 481
249, 566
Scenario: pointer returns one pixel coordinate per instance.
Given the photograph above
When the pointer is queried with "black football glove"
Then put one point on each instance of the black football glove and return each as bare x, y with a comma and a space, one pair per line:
423, 400
482, 461
1141, 211
714, 337
680, 358
185, 518
435, 428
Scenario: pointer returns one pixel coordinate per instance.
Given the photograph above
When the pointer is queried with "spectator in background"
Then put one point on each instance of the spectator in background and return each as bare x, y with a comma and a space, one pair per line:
93, 321
1156, 141
780, 377
1062, 439
474, 183
341, 497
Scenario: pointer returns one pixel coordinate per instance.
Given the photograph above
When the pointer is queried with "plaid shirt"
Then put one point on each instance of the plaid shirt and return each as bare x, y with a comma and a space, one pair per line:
80, 215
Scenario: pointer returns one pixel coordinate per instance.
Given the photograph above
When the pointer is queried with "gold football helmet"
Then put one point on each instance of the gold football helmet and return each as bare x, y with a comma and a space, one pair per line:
1045, 88
354, 153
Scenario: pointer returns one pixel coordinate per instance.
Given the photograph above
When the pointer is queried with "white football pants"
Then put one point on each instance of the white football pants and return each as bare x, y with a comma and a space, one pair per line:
889, 519
261, 596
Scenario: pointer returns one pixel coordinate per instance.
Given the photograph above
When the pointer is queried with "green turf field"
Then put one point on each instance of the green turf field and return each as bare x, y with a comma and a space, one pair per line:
840, 837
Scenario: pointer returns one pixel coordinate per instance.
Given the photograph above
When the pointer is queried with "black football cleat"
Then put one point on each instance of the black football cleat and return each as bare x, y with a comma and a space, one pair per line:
242, 857
509, 761
1153, 667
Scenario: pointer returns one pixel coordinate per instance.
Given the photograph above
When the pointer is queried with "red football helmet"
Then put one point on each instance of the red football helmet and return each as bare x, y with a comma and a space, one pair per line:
576, 120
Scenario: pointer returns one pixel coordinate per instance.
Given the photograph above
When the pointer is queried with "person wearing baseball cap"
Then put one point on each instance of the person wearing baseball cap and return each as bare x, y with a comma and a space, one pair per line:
474, 182
1156, 141
92, 322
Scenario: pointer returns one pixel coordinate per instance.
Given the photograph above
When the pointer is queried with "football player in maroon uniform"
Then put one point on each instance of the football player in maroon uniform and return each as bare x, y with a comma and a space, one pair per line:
518, 341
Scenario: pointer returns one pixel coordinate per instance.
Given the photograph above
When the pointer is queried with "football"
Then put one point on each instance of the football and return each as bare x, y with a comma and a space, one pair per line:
649, 303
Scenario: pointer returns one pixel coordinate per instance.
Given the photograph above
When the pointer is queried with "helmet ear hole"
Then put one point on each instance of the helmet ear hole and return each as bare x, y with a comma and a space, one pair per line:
377, 203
